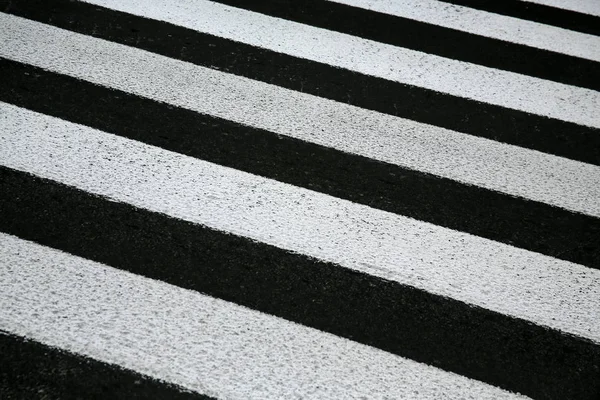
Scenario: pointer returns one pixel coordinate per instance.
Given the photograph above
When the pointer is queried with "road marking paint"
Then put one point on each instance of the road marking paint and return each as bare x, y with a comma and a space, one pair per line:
499, 277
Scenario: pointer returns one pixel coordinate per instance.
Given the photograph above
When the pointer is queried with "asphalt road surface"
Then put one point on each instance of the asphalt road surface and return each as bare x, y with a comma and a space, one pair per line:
300, 199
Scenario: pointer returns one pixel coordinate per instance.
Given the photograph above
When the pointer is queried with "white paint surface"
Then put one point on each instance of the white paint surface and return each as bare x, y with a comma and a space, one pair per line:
591, 7
198, 342
458, 78
516, 282
488, 24
509, 169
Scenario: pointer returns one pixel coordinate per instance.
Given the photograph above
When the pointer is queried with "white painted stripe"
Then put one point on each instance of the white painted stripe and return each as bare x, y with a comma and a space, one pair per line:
591, 7
488, 24
509, 169
458, 78
516, 282
201, 343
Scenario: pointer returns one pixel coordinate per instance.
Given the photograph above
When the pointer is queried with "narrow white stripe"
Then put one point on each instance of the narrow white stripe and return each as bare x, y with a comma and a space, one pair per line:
488, 24
204, 344
458, 78
478, 271
591, 7
509, 169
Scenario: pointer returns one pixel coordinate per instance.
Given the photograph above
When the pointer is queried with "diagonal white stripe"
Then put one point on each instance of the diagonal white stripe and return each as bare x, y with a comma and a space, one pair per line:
591, 7
488, 24
201, 343
502, 278
509, 169
444, 75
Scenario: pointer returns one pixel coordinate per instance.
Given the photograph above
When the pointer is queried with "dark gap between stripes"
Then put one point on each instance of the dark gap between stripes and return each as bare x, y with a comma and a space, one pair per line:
541, 13
32, 370
432, 39
515, 221
507, 352
497, 123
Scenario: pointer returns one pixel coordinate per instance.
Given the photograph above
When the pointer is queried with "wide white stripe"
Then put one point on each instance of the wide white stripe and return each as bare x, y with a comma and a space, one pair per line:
509, 169
488, 24
591, 7
372, 58
201, 343
478, 271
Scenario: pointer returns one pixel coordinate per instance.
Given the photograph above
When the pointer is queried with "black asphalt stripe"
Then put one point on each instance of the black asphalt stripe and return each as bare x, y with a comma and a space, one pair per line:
471, 341
430, 38
31, 370
522, 223
493, 122
567, 19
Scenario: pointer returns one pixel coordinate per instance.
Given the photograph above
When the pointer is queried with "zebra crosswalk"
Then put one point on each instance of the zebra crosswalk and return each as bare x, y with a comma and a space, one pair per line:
310, 199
